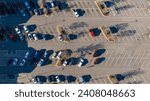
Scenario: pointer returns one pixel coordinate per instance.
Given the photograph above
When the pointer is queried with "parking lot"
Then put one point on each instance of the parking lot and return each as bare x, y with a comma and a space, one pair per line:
128, 19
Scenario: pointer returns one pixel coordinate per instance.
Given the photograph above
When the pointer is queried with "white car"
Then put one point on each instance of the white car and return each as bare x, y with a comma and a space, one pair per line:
35, 36
15, 61
30, 36
54, 55
57, 79
76, 13
17, 30
81, 62
52, 4
36, 12
26, 29
65, 63
59, 55
61, 38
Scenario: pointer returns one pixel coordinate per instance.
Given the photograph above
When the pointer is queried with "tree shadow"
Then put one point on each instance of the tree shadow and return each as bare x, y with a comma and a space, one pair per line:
126, 33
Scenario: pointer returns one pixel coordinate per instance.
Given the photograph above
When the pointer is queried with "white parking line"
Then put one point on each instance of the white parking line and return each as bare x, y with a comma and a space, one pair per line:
141, 32
132, 57
118, 57
108, 58
124, 57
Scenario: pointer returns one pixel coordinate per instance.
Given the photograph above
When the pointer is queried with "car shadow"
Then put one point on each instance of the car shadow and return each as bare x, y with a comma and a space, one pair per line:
99, 60
32, 27
74, 60
70, 78
99, 52
72, 36
87, 78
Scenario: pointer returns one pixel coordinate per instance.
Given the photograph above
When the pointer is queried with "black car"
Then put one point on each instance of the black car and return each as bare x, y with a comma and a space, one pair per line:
51, 79
39, 79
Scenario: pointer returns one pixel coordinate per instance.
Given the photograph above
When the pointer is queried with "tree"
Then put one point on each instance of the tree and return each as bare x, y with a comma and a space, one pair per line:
41, 3
45, 10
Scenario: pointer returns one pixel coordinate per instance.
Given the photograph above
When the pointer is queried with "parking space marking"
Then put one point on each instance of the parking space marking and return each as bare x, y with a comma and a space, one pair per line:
119, 56
124, 56
141, 30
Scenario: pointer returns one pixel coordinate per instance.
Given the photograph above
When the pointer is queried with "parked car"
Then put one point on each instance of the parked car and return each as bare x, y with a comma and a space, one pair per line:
27, 4
27, 55
48, 5
59, 55
26, 29
15, 61
37, 54
54, 55
41, 62
76, 12
46, 54
61, 38
92, 33
30, 36
39, 79
40, 11
35, 36
23, 62
81, 62
17, 30
51, 79
31, 12
44, 37
23, 13
52, 4
54, 79
36, 12
12, 37
21, 37
57, 78
65, 63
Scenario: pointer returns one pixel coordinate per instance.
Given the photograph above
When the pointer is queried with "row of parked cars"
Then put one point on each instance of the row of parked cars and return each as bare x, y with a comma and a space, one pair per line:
30, 57
40, 79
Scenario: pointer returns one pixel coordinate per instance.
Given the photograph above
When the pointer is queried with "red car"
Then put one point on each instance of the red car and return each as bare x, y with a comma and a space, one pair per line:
92, 33
12, 37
